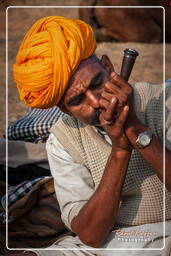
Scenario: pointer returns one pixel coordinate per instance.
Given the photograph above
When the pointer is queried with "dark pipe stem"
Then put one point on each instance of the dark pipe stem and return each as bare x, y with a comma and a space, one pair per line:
128, 63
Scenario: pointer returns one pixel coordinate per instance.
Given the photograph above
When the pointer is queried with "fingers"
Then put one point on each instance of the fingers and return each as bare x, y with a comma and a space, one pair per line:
109, 107
120, 121
113, 99
121, 97
116, 124
120, 83
123, 94
118, 80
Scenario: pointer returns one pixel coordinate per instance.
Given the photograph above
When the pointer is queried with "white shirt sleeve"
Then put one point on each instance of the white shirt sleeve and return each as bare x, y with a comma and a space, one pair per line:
73, 182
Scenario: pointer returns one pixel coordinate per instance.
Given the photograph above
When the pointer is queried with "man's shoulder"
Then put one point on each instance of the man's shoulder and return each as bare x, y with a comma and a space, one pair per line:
145, 89
147, 95
68, 127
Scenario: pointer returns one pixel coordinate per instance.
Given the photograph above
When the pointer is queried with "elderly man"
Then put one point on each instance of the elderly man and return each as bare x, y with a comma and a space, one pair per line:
106, 154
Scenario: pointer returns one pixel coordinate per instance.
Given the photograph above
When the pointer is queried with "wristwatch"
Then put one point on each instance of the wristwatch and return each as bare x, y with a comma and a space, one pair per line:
144, 139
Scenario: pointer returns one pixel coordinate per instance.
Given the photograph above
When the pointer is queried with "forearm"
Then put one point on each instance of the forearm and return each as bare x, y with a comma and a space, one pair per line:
153, 153
98, 215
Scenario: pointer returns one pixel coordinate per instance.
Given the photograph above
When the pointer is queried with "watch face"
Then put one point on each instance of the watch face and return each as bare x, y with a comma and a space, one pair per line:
144, 140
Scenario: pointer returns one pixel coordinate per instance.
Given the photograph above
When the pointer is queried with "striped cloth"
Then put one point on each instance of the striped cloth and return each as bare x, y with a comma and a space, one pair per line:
35, 125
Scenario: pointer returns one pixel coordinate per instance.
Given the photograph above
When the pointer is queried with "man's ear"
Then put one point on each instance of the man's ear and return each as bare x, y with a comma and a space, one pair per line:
105, 61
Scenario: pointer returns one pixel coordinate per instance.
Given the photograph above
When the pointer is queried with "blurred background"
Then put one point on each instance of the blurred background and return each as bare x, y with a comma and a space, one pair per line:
115, 28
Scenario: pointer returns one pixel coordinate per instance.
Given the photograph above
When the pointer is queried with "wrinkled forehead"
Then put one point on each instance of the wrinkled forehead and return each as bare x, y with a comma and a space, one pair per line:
86, 70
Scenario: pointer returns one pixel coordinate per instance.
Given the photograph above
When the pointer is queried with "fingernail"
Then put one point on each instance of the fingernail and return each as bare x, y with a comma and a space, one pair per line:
126, 108
113, 100
112, 74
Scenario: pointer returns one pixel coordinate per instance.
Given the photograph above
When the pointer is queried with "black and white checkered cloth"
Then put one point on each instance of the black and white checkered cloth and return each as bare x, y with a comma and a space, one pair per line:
35, 125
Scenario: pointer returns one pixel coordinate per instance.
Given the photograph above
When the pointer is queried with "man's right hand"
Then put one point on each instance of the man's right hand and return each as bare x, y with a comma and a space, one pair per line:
113, 119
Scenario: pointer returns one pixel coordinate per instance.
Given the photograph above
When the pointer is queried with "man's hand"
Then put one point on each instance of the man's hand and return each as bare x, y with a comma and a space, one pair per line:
113, 122
123, 91
117, 110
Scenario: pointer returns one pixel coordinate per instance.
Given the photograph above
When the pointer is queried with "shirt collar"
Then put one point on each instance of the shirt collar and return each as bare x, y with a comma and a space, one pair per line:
103, 134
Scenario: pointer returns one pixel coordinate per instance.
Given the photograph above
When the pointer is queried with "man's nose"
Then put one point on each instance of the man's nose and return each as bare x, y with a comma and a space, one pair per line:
93, 99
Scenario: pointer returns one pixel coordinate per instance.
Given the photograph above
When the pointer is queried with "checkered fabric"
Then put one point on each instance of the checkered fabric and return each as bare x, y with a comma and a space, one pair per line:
15, 193
35, 125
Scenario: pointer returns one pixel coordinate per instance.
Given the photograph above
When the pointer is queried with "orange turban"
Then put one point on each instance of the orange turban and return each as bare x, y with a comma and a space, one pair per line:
49, 54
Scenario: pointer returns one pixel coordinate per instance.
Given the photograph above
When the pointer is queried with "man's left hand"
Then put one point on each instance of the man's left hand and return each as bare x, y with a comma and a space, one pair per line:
122, 90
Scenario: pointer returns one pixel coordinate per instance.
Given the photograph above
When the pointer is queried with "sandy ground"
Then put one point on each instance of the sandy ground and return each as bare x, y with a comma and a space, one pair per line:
149, 65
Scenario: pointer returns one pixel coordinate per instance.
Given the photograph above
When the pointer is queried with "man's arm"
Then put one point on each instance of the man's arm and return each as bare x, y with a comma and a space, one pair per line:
97, 217
152, 153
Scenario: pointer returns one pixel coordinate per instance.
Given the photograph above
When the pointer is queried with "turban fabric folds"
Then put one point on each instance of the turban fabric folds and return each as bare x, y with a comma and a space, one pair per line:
48, 55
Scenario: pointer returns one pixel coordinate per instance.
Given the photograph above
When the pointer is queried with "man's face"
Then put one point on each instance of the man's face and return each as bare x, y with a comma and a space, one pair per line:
81, 98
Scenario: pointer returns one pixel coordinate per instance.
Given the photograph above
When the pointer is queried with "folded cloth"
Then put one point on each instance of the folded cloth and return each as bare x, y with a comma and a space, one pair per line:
35, 125
34, 219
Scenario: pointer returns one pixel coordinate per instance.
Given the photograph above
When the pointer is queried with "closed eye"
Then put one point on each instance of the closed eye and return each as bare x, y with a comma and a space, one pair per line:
96, 82
76, 100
